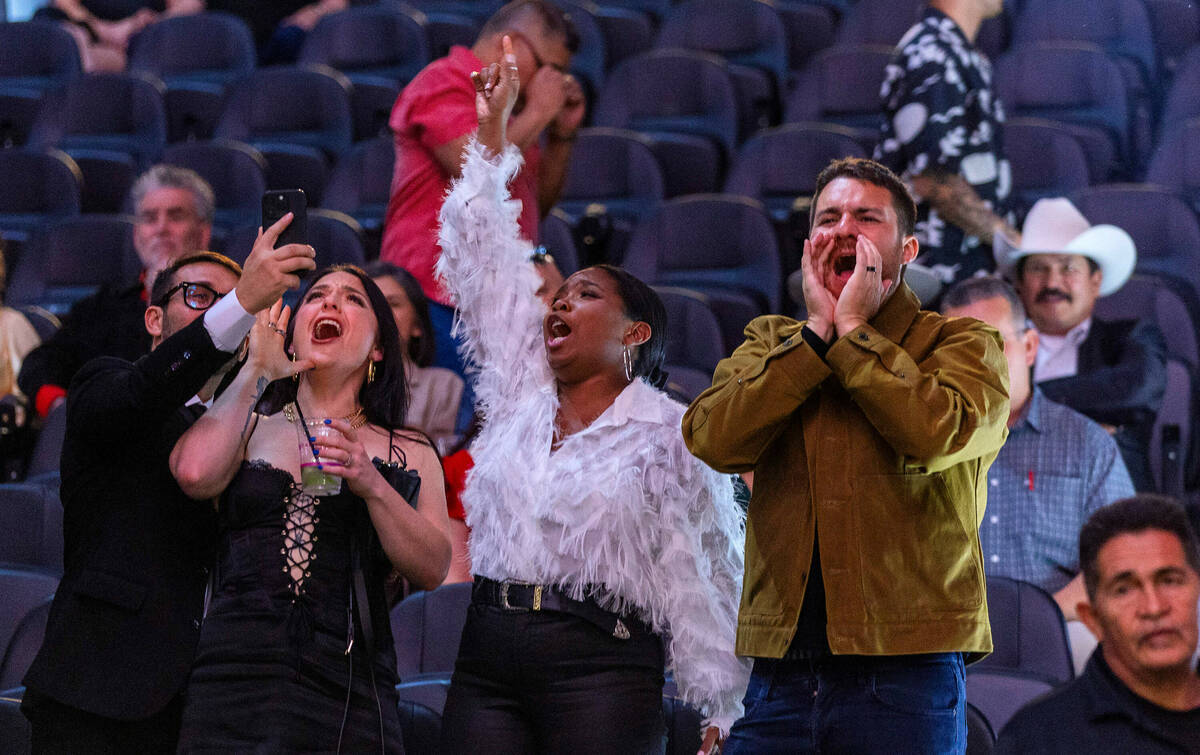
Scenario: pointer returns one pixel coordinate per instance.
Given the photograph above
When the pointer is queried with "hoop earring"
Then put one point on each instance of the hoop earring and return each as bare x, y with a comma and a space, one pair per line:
370, 371
627, 361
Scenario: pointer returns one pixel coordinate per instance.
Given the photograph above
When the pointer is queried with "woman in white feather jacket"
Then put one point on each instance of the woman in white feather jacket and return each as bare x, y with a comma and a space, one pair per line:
598, 542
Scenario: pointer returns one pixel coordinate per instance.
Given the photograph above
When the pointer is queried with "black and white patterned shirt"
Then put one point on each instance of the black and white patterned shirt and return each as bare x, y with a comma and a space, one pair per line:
942, 115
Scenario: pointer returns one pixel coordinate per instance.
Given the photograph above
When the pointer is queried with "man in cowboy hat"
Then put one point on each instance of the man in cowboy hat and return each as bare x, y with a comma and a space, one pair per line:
1111, 371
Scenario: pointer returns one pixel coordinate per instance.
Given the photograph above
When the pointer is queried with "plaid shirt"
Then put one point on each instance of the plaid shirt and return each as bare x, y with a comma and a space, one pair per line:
1056, 468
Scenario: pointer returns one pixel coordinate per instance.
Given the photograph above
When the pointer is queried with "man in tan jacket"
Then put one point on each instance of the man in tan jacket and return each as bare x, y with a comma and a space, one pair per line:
869, 428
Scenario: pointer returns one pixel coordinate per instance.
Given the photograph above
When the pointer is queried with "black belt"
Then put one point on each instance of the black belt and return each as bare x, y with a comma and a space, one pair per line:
522, 596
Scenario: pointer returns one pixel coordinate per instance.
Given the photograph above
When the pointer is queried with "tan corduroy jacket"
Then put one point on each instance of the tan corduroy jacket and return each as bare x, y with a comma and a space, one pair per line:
884, 446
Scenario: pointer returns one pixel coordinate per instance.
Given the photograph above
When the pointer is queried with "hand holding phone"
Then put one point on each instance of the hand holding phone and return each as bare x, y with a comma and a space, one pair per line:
278, 202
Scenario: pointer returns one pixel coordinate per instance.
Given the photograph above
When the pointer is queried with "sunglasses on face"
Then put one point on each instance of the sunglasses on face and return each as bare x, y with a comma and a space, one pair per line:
199, 296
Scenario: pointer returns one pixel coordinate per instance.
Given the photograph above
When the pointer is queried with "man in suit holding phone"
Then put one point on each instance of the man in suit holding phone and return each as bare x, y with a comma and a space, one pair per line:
123, 627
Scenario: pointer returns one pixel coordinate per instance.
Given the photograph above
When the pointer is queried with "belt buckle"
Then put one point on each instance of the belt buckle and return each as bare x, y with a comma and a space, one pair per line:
537, 596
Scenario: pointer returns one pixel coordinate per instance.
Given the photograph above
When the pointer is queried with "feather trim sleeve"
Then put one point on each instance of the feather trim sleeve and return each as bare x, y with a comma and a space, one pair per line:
700, 566
485, 266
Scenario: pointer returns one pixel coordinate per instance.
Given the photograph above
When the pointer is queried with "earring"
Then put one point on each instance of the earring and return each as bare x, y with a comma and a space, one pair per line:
295, 375
370, 371
627, 360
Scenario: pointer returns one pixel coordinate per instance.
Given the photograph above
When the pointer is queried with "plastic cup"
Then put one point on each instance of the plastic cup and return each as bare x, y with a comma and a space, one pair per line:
314, 477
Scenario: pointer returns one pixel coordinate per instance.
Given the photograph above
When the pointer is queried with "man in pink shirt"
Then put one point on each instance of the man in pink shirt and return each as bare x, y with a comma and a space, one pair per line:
435, 116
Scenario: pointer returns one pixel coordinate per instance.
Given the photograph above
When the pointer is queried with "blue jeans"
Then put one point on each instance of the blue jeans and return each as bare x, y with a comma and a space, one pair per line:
854, 704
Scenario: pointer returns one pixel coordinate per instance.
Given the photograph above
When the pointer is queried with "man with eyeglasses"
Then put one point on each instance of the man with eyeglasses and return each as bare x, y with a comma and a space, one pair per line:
1111, 371
173, 215
434, 118
123, 626
1055, 469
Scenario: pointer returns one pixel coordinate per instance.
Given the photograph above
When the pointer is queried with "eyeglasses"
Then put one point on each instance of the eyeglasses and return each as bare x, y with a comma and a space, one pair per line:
198, 296
538, 60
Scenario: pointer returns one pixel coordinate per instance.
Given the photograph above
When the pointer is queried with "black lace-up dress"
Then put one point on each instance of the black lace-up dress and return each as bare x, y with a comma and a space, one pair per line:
272, 672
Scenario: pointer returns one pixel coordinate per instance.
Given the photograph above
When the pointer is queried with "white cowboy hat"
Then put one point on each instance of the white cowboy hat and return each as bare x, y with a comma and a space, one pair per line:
1054, 226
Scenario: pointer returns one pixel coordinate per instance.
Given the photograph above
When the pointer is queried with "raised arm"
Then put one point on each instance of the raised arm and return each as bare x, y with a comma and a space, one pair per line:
485, 263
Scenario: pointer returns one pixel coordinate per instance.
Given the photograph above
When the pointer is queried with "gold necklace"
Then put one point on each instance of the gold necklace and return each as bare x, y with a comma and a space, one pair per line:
356, 418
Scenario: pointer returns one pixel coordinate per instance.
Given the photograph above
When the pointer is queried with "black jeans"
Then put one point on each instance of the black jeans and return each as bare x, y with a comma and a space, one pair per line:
548, 682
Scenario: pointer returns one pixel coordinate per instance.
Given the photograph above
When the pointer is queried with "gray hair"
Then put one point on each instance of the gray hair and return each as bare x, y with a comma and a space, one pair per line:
164, 176
971, 290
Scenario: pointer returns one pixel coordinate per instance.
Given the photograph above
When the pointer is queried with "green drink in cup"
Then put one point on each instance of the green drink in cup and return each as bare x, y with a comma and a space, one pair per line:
314, 478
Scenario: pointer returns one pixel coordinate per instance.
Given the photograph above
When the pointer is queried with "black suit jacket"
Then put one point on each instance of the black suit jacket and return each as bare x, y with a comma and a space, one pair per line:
125, 620
1121, 379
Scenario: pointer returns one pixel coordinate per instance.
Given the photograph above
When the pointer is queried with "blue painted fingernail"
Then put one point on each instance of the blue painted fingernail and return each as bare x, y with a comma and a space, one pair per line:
319, 466
312, 439
329, 422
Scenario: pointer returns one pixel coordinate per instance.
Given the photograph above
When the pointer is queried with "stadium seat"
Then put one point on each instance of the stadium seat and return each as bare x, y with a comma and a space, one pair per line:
1074, 83
686, 104
626, 33
1046, 160
47, 450
360, 185
289, 106
841, 85
24, 589
1028, 634
69, 259
108, 112
980, 738
39, 57
38, 187
1182, 101
23, 646
556, 233
614, 177
1176, 162
694, 341
657, 10
779, 165
235, 171
1164, 228
750, 37
878, 22
1172, 442
1176, 25
808, 27
31, 531
1156, 299
478, 10
196, 56
997, 695
380, 48
14, 726
426, 627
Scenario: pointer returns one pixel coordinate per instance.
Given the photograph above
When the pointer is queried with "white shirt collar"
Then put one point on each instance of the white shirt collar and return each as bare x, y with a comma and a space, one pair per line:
638, 401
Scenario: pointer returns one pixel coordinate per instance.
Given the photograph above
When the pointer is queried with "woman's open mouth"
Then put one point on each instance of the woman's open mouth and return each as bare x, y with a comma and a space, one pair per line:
326, 330
557, 332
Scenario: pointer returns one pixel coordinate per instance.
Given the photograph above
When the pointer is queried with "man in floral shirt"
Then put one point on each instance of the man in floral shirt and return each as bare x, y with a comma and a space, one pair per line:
941, 133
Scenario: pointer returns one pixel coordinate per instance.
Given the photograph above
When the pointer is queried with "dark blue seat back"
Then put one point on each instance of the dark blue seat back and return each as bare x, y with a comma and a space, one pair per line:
780, 164
380, 40
709, 241
1028, 633
202, 47
743, 32
674, 91
31, 527
69, 259
336, 237
37, 55
1046, 161
426, 628
118, 112
841, 85
615, 167
308, 107
1176, 162
236, 172
878, 22
1120, 27
361, 180
1075, 83
38, 186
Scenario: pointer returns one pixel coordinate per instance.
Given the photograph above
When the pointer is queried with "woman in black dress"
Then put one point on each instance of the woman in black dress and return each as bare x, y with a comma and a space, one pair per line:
296, 650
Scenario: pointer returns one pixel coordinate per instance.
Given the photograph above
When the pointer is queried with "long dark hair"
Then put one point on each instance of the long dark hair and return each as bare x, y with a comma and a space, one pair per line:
643, 304
384, 399
423, 348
